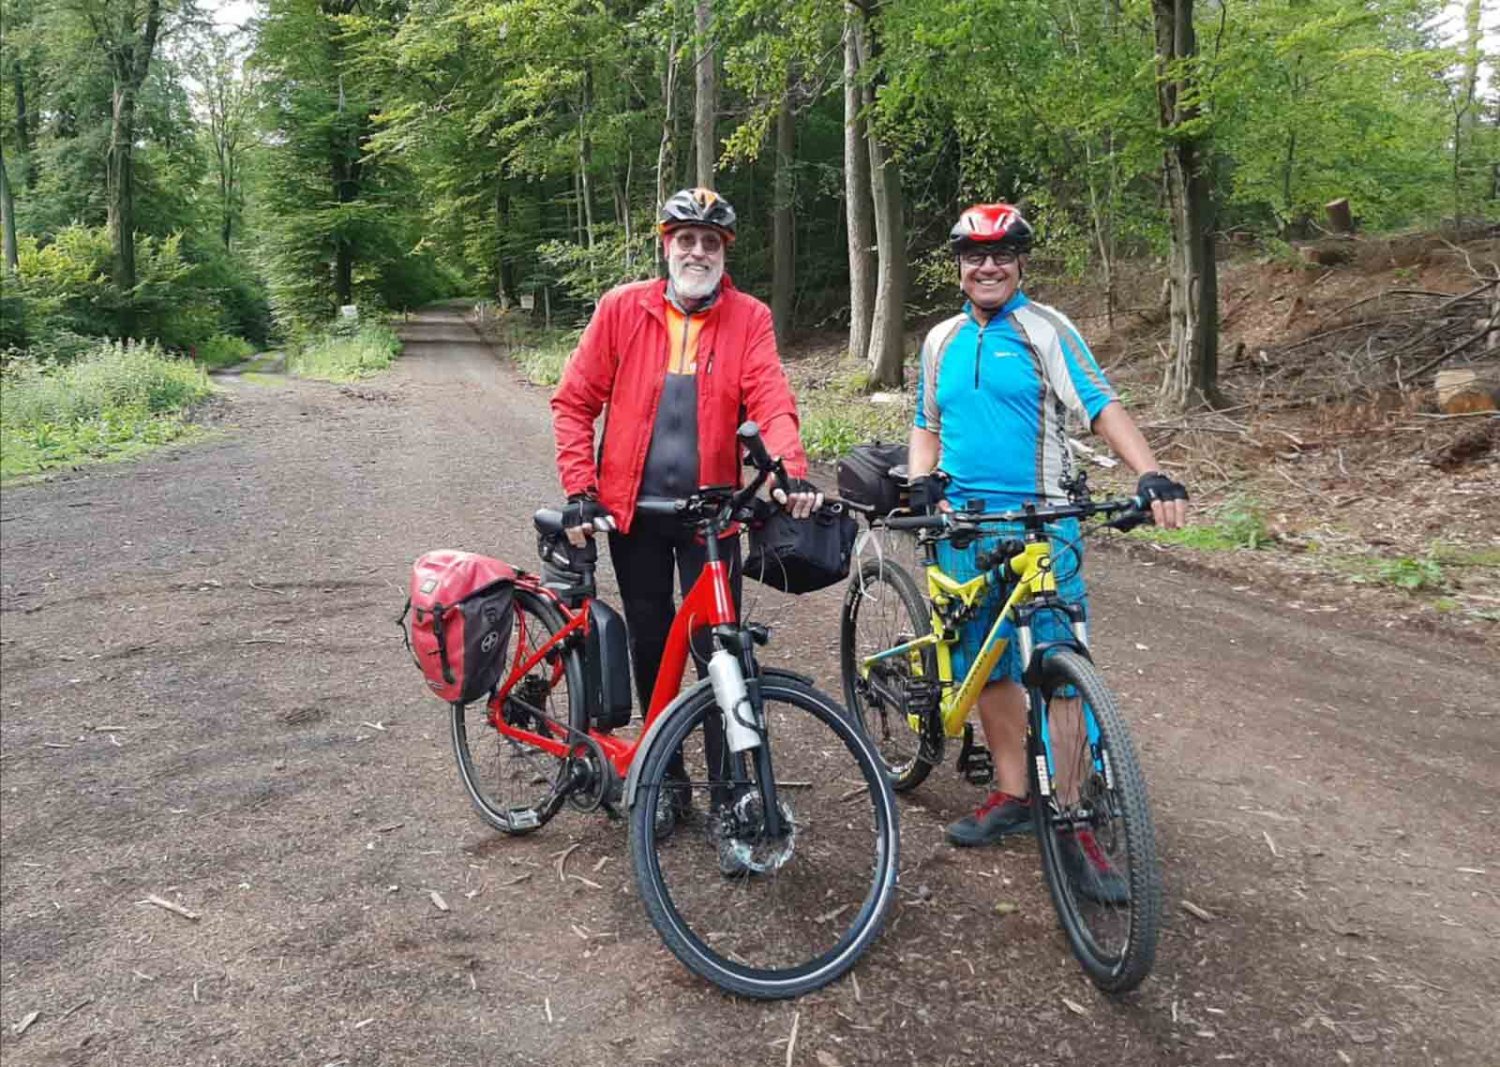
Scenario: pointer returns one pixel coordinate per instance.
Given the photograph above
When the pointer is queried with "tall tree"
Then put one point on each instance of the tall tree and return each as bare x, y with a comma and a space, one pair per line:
857, 207
706, 109
1192, 375
7, 218
783, 253
126, 32
887, 327
223, 96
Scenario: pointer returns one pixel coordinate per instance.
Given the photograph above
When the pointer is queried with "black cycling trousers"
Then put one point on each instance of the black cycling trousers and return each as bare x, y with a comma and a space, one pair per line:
646, 561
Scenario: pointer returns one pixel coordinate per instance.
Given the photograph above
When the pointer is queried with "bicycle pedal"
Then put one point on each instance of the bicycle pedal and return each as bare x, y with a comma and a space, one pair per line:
974, 761
611, 812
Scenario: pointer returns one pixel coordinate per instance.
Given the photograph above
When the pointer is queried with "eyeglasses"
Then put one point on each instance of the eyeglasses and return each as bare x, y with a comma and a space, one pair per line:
1003, 257
686, 241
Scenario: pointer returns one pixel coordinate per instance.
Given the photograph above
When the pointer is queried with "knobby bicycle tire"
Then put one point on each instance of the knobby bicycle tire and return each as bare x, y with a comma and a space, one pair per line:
878, 701
818, 893
1111, 923
497, 771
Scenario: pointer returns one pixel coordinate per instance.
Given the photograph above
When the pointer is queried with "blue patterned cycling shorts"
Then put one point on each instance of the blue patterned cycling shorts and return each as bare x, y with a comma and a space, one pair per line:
1067, 563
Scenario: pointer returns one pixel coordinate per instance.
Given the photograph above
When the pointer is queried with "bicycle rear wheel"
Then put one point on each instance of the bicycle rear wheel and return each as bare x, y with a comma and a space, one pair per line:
517, 787
1094, 824
884, 609
760, 916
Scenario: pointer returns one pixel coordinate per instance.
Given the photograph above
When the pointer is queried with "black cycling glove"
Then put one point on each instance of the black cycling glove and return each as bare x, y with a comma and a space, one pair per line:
927, 492
1154, 485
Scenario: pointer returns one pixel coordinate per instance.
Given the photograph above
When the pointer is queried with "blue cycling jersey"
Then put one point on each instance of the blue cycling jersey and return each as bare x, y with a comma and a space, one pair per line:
998, 396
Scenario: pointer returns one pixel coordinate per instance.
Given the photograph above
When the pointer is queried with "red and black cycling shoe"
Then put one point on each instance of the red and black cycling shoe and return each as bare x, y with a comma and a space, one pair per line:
1000, 816
1091, 871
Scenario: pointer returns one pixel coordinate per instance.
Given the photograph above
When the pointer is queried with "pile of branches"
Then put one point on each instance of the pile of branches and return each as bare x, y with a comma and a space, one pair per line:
1396, 338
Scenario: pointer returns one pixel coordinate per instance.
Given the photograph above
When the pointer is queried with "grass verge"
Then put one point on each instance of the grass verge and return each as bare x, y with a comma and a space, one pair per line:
118, 399
345, 354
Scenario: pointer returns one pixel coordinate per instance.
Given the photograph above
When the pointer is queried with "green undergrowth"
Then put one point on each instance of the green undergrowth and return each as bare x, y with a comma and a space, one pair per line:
1239, 523
222, 350
345, 353
838, 412
116, 400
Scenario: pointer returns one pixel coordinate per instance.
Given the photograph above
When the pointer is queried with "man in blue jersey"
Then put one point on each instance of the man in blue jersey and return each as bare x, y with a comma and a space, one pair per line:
997, 384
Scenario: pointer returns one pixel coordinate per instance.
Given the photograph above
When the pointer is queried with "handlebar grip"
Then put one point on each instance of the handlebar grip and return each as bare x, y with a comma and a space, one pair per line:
749, 434
916, 522
651, 506
1138, 515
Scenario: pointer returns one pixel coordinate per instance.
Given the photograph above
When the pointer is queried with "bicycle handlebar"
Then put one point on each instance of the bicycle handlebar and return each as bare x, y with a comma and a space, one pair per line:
1127, 512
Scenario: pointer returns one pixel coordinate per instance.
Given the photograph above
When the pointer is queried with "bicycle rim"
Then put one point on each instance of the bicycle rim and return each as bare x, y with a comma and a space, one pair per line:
516, 787
812, 900
882, 610
1094, 826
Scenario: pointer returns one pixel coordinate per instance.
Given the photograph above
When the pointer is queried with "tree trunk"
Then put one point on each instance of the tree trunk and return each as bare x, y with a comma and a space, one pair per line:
782, 251
130, 58
1466, 116
1192, 372
23, 117
585, 157
7, 220
120, 186
705, 114
887, 327
857, 208
666, 155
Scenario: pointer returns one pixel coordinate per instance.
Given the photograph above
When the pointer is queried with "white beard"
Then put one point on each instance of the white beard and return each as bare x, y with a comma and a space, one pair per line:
692, 284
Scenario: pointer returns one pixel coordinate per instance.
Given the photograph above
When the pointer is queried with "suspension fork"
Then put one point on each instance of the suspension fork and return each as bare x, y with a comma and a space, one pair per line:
738, 643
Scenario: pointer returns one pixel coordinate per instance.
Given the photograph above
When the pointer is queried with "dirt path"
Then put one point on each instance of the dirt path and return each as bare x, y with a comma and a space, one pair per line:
205, 699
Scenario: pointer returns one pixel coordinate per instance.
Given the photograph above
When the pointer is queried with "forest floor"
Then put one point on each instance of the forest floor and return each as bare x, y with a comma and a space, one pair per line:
206, 701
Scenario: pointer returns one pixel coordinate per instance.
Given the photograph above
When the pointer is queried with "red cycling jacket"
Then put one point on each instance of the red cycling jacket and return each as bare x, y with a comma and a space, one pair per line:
621, 361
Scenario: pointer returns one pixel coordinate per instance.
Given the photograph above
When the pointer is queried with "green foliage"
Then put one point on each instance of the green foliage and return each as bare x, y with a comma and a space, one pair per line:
222, 350
1243, 522
116, 398
1240, 524
542, 357
346, 353
1413, 574
585, 271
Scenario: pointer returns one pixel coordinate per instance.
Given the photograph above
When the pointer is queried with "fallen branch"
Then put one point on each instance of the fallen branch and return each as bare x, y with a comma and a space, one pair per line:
172, 906
1436, 360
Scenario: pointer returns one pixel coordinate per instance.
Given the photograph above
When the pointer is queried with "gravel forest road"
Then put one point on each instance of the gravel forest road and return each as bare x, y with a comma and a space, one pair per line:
206, 700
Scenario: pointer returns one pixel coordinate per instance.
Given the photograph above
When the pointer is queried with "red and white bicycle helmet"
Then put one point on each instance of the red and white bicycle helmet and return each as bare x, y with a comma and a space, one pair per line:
991, 226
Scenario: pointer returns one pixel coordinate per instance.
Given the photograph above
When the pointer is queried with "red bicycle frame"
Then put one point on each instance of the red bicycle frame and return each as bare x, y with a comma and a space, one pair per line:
708, 603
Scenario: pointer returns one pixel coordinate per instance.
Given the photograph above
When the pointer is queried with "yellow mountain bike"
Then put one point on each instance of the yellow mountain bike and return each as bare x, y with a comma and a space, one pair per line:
1092, 821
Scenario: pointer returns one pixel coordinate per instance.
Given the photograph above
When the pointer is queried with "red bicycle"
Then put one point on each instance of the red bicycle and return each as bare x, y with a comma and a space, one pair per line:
791, 867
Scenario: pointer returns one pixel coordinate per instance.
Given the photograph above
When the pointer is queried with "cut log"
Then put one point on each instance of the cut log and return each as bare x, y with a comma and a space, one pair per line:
1466, 389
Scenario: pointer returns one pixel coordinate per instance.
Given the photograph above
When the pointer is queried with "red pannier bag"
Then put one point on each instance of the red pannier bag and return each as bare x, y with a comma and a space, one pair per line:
462, 608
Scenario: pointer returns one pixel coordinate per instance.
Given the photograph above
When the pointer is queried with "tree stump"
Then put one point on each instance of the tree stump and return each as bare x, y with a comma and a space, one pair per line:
1339, 217
1468, 389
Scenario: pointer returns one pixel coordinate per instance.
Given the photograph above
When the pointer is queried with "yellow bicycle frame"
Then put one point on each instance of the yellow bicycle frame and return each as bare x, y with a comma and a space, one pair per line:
1033, 570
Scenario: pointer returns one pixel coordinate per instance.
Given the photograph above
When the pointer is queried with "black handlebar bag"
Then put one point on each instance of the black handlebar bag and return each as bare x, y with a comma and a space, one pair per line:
802, 555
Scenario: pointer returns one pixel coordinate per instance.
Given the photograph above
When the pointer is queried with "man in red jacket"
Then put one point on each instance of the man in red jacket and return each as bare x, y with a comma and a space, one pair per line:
680, 363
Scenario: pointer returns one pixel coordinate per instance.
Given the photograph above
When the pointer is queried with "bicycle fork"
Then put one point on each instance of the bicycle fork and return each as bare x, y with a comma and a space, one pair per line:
738, 698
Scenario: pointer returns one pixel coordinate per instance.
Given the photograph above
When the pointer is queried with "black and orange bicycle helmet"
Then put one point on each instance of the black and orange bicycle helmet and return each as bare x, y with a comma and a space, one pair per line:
697, 207
991, 226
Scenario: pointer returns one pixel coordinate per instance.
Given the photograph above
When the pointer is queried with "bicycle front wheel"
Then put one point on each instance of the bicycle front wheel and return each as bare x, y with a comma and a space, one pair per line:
883, 610
758, 914
1093, 824
517, 787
